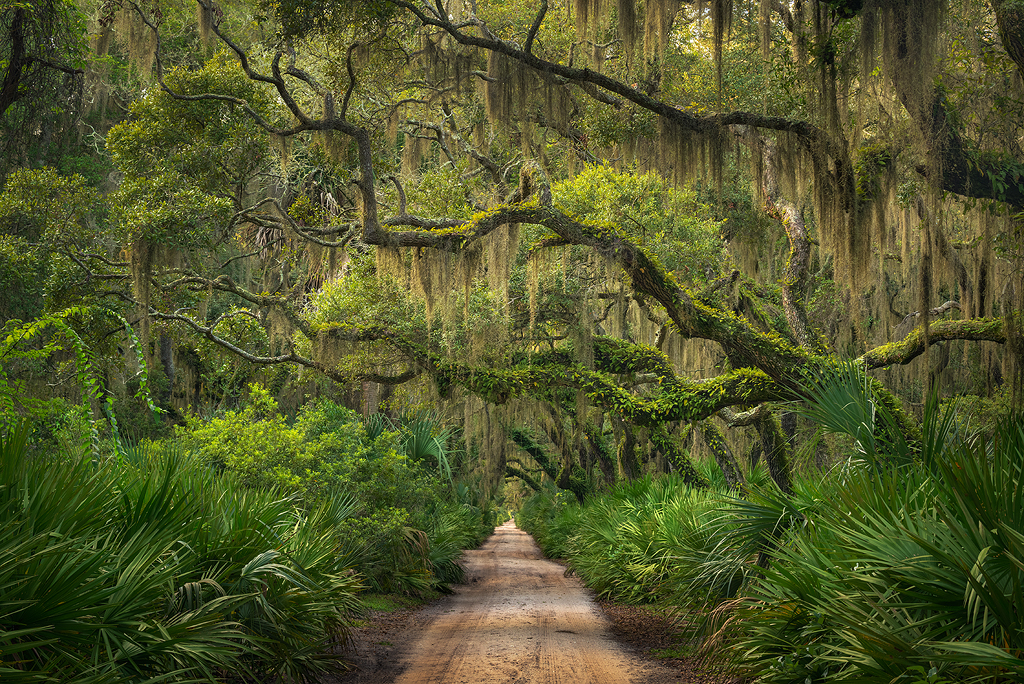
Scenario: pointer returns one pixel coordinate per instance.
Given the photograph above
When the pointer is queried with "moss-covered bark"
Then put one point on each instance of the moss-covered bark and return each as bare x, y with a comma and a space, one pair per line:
724, 457
913, 345
513, 470
600, 452
528, 443
776, 451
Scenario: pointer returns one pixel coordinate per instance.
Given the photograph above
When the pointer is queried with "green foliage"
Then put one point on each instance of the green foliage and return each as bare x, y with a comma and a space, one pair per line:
464, 320
645, 540
166, 208
451, 523
550, 516
187, 164
671, 224
21, 276
442, 191
325, 448
427, 443
1004, 172
44, 42
608, 126
153, 564
41, 213
452, 528
364, 299
844, 400
40, 205
869, 166
151, 568
406, 532
310, 18
749, 82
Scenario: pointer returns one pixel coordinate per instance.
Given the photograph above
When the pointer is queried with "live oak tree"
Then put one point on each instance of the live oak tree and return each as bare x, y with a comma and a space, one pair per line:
545, 211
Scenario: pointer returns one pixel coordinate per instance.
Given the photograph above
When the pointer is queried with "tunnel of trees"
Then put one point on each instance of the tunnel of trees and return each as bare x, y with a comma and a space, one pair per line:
599, 235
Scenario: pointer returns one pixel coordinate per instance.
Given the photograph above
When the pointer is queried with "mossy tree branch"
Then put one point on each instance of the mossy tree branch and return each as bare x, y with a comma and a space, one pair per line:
224, 283
526, 441
679, 459
776, 451
913, 345
512, 470
673, 399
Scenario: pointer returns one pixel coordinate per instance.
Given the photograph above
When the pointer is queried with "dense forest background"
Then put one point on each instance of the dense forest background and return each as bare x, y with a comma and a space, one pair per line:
539, 246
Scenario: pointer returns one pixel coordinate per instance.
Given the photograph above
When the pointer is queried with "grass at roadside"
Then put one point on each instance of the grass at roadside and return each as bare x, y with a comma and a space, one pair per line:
238, 551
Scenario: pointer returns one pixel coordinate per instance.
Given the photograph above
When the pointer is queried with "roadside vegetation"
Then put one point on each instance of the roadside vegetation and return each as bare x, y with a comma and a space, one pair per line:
238, 550
295, 293
902, 563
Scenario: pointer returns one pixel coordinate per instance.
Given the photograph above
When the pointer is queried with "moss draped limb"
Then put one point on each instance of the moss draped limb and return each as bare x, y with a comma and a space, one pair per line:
913, 345
769, 351
613, 355
724, 457
512, 470
776, 451
526, 441
674, 400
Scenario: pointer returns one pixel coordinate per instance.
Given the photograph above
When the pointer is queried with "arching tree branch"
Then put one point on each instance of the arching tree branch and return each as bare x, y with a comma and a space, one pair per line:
913, 345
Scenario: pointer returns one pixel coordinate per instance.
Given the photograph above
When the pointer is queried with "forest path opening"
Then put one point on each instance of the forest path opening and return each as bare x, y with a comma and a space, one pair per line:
518, 619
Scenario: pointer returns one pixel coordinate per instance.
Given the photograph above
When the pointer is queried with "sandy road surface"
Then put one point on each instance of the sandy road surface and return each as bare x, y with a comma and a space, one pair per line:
518, 619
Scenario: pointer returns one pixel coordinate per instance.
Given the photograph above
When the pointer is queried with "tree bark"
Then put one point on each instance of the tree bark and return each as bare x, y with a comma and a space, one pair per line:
16, 62
724, 457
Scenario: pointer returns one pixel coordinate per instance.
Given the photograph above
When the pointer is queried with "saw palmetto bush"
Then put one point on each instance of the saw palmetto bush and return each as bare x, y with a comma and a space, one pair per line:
906, 565
906, 570
638, 542
152, 568
629, 543
453, 527
552, 517
424, 438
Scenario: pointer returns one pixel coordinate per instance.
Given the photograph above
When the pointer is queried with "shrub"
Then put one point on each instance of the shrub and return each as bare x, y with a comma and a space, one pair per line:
904, 569
406, 532
903, 564
149, 567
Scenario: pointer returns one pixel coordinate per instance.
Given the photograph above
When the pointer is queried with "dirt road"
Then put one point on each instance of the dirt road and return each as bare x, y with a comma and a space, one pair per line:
518, 619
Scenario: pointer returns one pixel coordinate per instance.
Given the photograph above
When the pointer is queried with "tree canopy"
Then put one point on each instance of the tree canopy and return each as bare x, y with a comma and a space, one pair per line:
594, 230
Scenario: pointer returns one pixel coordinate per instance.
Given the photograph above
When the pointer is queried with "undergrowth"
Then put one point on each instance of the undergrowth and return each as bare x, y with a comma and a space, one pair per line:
903, 564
